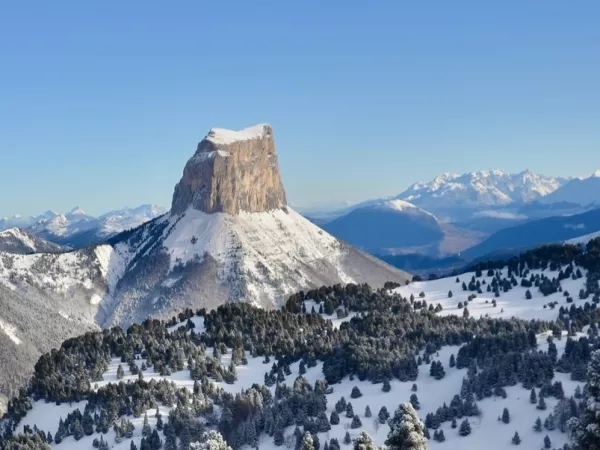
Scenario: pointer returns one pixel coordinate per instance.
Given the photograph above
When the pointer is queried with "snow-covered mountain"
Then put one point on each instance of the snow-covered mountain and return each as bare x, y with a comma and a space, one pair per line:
582, 191
18, 240
480, 189
386, 225
232, 240
76, 228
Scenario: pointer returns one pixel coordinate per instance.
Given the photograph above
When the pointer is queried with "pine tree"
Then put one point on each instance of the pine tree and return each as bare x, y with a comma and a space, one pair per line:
132, 446
77, 430
465, 428
347, 438
537, 426
334, 418
452, 361
548, 443
146, 430
505, 416
356, 423
454, 424
368, 412
585, 430
349, 410
541, 403
407, 432
516, 440
120, 372
414, 387
383, 415
386, 386
355, 392
533, 397
364, 442
414, 400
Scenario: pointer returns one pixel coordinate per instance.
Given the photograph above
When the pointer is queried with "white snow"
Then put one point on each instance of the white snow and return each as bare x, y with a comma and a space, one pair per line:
112, 265
224, 136
10, 331
21, 236
481, 188
510, 304
583, 239
267, 246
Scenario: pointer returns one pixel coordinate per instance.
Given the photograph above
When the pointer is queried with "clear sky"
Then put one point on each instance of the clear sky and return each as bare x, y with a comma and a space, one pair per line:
102, 103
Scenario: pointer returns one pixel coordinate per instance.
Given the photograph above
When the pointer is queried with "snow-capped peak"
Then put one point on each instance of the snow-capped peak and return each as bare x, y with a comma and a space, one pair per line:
77, 211
480, 188
596, 174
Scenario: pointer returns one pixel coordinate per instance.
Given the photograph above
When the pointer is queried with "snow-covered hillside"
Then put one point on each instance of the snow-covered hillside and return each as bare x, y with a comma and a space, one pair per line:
487, 430
18, 240
256, 257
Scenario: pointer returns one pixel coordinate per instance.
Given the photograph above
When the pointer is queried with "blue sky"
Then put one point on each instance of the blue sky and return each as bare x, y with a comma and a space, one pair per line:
102, 103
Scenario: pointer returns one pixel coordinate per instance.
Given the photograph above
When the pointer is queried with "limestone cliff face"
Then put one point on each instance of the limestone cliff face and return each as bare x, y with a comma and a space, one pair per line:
232, 172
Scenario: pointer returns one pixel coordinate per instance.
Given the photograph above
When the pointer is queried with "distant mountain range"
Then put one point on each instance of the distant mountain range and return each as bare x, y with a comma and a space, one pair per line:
78, 229
471, 214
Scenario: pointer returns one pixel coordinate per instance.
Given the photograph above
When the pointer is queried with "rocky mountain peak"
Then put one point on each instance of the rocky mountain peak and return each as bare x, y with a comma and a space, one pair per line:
232, 172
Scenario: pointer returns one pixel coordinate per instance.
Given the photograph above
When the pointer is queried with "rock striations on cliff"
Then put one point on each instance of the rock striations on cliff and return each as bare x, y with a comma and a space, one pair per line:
232, 172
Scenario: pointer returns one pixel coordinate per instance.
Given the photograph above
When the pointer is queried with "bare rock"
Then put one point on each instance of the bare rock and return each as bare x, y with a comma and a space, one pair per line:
232, 172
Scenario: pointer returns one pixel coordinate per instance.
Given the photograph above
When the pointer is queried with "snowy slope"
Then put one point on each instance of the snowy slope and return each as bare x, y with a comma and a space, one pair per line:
17, 240
583, 191
256, 257
487, 431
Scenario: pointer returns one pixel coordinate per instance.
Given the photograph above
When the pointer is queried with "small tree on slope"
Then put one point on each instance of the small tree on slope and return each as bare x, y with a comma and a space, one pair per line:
585, 430
364, 442
211, 440
407, 432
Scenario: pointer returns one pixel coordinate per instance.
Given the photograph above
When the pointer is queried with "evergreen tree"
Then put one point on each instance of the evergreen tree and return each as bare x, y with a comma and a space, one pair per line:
349, 410
452, 361
516, 440
383, 415
334, 418
454, 424
505, 416
120, 372
364, 442
368, 412
356, 423
541, 403
537, 426
386, 386
146, 430
355, 392
585, 430
548, 443
533, 397
278, 437
415, 401
132, 446
407, 432
307, 442
465, 428
347, 438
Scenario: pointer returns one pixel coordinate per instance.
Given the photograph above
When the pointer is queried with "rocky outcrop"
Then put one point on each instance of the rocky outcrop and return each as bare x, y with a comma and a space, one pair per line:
232, 172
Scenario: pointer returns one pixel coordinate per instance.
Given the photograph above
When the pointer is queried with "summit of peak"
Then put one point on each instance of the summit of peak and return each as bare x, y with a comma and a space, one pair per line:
232, 172
225, 136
